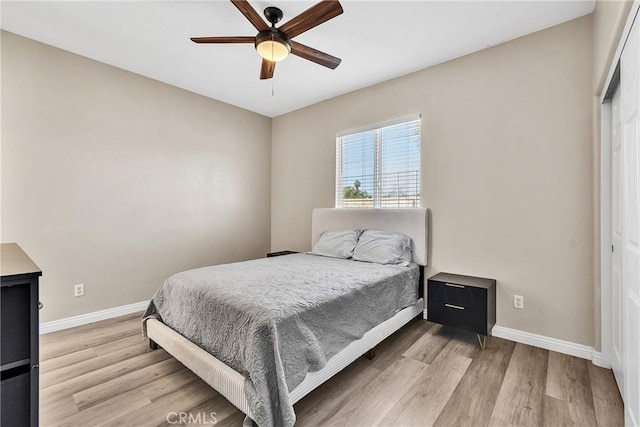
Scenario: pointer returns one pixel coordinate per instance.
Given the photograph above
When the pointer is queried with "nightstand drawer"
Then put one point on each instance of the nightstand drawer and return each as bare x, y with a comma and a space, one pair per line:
459, 295
457, 316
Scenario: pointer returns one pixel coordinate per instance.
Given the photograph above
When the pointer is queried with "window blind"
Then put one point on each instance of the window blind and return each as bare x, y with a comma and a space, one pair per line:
379, 167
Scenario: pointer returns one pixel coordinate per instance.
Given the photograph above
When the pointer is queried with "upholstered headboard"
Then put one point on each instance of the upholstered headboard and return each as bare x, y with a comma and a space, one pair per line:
412, 222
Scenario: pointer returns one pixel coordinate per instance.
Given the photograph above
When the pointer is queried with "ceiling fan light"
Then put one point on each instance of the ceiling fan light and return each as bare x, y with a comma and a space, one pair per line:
273, 45
273, 50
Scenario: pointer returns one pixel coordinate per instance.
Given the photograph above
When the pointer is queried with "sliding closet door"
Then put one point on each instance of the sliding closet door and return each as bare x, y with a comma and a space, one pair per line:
630, 115
617, 351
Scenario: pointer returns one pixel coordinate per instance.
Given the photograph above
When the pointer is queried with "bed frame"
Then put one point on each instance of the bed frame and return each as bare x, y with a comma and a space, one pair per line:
230, 383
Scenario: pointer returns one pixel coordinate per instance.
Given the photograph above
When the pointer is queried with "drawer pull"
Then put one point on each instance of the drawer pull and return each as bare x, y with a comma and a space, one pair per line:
453, 285
40, 305
454, 306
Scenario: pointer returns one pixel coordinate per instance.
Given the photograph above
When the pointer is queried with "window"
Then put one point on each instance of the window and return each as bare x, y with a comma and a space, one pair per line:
380, 167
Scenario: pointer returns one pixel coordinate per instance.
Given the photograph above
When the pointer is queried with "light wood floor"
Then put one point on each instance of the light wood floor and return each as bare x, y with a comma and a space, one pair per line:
424, 374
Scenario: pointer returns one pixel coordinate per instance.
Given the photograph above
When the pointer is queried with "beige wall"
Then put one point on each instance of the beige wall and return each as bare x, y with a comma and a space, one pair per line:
117, 181
506, 170
609, 17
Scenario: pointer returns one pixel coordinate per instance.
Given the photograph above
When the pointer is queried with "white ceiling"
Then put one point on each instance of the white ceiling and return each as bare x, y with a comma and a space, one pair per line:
377, 41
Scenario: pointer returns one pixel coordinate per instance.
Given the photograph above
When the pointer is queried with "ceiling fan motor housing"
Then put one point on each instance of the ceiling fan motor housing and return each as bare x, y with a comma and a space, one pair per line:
273, 15
273, 35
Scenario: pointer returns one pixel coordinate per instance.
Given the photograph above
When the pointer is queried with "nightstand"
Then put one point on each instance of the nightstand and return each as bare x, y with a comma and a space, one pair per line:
272, 254
464, 302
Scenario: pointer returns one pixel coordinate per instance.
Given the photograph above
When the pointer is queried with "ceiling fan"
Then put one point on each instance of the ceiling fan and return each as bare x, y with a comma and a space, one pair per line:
274, 44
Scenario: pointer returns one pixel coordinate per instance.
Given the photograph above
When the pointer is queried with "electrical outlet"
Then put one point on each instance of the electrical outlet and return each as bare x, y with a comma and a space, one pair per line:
78, 290
518, 301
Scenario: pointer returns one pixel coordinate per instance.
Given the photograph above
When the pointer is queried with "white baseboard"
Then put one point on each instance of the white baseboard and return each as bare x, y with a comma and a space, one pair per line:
83, 319
598, 360
548, 343
565, 347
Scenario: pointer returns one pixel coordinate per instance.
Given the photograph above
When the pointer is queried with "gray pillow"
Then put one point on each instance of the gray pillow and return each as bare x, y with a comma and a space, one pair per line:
383, 247
336, 244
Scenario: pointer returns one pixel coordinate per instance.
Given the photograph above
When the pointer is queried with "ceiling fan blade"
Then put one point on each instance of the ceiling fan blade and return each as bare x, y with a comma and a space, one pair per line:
314, 55
250, 13
312, 17
268, 67
232, 39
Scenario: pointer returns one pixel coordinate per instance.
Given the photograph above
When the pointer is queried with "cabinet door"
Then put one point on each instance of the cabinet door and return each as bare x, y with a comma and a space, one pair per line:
15, 329
15, 400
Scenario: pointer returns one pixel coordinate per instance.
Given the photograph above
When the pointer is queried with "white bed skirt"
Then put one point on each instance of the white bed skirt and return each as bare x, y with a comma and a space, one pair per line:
230, 383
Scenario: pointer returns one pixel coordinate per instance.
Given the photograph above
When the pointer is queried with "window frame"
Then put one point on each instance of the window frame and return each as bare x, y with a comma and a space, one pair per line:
377, 129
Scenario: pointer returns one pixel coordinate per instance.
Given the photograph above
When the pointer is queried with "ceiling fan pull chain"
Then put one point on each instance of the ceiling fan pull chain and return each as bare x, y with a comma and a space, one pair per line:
272, 47
272, 39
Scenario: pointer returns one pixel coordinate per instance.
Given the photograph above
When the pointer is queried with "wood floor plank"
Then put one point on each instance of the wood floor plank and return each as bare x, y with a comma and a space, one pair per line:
111, 346
559, 412
473, 400
219, 406
369, 406
49, 396
65, 408
427, 347
463, 344
520, 402
334, 394
66, 360
568, 379
52, 377
119, 344
61, 346
89, 329
234, 420
391, 349
422, 403
157, 412
210, 412
132, 380
606, 397
105, 411
169, 383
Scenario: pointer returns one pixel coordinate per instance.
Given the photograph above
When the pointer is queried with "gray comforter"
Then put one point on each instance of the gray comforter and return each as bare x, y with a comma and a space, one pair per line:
275, 319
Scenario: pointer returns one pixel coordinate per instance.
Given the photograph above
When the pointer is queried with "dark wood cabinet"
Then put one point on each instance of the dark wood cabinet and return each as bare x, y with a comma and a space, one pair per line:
18, 338
464, 302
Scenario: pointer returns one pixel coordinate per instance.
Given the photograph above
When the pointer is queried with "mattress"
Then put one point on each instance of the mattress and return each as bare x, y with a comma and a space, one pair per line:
274, 320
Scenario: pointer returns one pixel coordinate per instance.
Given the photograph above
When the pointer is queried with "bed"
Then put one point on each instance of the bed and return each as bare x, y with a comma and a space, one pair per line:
267, 391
